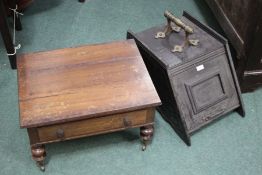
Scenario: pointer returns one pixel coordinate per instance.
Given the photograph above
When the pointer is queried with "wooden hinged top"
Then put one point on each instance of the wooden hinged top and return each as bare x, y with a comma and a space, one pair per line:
83, 82
209, 41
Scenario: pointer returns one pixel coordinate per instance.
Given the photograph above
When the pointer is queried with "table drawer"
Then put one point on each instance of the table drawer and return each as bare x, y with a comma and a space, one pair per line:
94, 126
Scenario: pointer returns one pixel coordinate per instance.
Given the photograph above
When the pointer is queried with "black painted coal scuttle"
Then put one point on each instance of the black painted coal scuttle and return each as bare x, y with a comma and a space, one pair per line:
192, 70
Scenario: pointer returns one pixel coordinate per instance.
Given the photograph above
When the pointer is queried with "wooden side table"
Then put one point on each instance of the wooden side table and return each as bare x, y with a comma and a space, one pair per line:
76, 92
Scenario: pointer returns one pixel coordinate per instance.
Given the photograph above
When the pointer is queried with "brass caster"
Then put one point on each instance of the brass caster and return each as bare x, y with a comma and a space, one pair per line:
42, 168
143, 147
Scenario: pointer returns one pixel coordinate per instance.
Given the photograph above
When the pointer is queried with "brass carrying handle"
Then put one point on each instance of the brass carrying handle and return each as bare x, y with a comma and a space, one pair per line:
179, 25
178, 22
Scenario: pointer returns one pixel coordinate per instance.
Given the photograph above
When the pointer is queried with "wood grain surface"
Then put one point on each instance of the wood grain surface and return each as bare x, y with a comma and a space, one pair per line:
83, 82
94, 126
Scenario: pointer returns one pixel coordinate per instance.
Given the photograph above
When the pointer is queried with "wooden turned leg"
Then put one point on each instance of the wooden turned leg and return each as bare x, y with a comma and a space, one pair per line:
38, 154
146, 133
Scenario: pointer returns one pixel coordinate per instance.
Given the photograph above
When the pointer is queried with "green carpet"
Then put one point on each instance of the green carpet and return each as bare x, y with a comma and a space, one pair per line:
229, 146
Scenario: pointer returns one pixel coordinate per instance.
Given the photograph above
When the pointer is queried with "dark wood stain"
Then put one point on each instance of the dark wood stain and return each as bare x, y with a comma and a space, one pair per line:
191, 98
242, 22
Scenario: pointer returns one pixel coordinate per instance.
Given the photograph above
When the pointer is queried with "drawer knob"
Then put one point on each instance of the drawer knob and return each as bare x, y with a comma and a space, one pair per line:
60, 133
126, 122
206, 119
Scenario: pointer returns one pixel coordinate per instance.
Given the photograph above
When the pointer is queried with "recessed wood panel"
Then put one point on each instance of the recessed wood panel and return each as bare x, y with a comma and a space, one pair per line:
206, 92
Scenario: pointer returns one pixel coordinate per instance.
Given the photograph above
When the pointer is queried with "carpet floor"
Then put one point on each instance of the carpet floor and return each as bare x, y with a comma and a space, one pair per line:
232, 145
